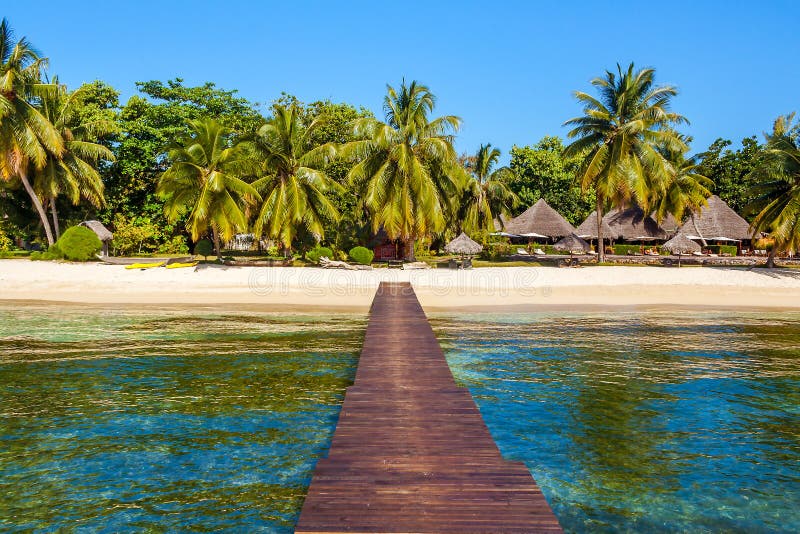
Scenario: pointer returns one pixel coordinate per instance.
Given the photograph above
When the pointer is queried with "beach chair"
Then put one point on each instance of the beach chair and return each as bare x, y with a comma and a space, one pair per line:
539, 252
522, 252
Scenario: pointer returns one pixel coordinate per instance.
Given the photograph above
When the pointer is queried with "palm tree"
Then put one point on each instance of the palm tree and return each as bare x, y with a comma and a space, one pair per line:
486, 194
26, 136
202, 180
290, 178
684, 191
74, 171
407, 170
619, 136
778, 188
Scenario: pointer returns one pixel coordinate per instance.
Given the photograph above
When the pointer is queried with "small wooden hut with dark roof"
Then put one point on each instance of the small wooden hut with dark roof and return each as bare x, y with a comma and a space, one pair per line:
717, 219
540, 219
103, 233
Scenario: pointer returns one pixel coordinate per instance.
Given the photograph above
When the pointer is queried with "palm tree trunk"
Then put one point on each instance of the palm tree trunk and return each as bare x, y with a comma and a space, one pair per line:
699, 233
408, 253
54, 213
216, 242
37, 204
771, 257
601, 249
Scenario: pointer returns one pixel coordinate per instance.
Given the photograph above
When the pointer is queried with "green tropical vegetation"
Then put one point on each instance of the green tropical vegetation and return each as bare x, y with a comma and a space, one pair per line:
177, 164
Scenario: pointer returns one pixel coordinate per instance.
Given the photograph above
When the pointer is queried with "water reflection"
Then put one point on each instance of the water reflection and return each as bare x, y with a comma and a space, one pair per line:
165, 420
646, 421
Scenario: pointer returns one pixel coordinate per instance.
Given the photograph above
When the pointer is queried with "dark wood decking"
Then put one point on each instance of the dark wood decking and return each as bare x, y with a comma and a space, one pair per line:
411, 452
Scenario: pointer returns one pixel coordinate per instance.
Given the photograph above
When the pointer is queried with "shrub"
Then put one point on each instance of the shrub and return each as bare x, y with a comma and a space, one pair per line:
5, 241
362, 255
318, 252
36, 255
204, 248
76, 244
176, 245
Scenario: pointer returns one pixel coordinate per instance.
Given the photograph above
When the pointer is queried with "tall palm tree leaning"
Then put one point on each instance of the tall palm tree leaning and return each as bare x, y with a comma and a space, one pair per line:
202, 180
619, 136
778, 188
291, 179
486, 196
407, 168
26, 136
73, 172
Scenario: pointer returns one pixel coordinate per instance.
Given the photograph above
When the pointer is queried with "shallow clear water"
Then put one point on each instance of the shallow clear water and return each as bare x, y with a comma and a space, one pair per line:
165, 420
643, 421
116, 420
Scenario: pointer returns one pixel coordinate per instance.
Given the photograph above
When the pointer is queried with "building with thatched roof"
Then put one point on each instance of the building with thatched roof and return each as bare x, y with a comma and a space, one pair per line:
633, 224
463, 245
103, 233
588, 228
540, 219
717, 219
572, 244
680, 244
500, 222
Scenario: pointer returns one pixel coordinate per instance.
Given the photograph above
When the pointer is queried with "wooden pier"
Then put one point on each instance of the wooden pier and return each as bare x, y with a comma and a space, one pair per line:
411, 452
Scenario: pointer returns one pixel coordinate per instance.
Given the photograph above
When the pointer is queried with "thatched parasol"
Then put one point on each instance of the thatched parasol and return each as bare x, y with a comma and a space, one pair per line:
680, 244
572, 243
540, 219
719, 220
463, 245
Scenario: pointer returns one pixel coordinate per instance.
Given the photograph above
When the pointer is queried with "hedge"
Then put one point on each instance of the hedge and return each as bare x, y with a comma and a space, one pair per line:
723, 249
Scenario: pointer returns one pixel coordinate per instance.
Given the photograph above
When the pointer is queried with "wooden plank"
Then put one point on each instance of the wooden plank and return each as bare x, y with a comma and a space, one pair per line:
411, 452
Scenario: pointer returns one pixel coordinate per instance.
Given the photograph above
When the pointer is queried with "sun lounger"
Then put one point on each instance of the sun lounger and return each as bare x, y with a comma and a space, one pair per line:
522, 252
539, 252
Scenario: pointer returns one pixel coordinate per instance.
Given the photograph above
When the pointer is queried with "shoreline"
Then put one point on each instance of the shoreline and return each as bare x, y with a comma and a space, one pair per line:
488, 289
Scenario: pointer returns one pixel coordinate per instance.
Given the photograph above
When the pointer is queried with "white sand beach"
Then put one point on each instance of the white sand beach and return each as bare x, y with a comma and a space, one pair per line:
491, 287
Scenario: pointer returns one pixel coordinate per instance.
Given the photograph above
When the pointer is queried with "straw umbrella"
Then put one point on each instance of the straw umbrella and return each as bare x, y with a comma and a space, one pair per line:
572, 243
463, 246
680, 244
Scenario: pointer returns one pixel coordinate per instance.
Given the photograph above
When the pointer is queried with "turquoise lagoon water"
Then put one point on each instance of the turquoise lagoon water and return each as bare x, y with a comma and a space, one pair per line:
165, 420
660, 421
115, 420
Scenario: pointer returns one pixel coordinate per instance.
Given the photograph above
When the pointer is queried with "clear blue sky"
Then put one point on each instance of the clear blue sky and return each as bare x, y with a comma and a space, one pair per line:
508, 69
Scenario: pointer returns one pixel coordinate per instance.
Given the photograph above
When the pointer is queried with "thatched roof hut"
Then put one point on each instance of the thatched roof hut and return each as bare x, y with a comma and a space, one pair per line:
680, 244
540, 219
588, 228
717, 219
633, 224
572, 243
463, 245
103, 233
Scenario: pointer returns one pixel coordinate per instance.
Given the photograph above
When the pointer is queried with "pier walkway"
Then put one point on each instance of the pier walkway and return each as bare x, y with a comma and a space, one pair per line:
411, 452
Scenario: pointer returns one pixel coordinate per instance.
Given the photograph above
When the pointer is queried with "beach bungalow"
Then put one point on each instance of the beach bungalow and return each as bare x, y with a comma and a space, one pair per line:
634, 225
588, 228
103, 233
717, 222
540, 219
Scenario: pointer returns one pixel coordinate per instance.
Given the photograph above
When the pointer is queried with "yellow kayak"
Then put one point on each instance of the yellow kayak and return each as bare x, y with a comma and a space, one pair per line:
180, 265
144, 265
